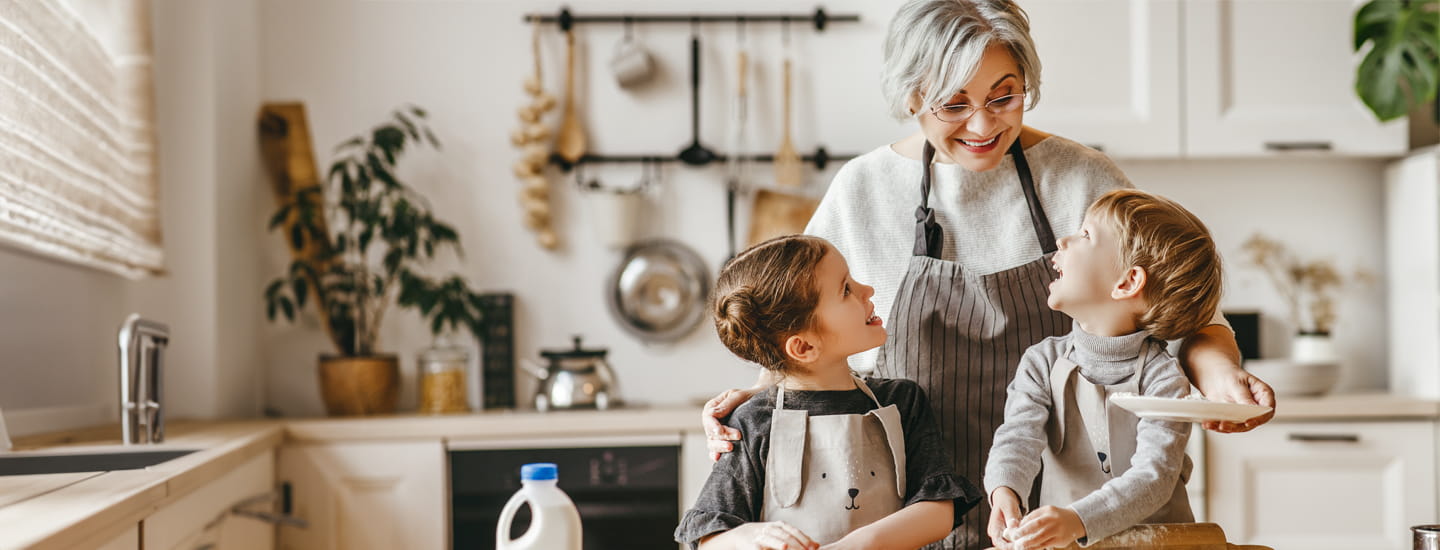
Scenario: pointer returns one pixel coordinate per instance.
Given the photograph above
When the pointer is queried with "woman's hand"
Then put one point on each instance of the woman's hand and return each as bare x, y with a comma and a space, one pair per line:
773, 535
717, 435
1238, 386
1212, 362
1004, 517
1048, 527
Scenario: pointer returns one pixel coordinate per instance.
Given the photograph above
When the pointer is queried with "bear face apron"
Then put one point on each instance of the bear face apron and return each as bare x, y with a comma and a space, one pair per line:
829, 475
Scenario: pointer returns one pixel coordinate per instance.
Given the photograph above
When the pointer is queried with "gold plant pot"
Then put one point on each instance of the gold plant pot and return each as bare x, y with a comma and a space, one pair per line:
354, 386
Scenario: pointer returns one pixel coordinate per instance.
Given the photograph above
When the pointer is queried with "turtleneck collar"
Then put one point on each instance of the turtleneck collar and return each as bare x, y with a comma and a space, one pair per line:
1107, 348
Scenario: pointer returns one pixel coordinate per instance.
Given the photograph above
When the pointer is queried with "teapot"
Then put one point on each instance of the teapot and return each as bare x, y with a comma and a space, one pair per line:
573, 379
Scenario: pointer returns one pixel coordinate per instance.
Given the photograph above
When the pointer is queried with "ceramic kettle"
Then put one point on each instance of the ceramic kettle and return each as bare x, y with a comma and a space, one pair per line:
574, 379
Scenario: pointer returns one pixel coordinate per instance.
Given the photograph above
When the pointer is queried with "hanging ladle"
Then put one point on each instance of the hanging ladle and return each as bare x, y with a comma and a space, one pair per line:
696, 154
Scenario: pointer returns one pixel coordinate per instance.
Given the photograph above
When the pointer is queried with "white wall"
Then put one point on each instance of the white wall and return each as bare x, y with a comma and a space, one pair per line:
350, 62
58, 331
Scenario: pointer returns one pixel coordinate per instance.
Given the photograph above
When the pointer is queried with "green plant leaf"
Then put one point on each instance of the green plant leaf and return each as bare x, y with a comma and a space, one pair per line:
297, 236
1402, 68
273, 288
288, 307
357, 140
417, 111
301, 289
280, 216
270, 310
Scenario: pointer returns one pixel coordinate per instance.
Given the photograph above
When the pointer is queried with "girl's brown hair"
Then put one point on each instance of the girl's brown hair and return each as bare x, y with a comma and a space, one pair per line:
767, 294
1181, 263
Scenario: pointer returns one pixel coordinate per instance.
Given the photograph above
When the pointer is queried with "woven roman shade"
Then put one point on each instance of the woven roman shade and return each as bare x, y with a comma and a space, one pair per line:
77, 143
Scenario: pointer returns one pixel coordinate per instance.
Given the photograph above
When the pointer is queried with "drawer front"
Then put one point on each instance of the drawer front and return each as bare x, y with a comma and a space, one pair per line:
1339, 486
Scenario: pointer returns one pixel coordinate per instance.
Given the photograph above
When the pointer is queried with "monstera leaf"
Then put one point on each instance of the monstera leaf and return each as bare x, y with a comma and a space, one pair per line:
1402, 69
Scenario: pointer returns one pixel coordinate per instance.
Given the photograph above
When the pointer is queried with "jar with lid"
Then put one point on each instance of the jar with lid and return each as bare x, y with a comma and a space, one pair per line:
442, 379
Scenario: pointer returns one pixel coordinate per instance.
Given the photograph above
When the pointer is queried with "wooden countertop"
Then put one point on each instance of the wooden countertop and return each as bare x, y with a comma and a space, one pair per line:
65, 510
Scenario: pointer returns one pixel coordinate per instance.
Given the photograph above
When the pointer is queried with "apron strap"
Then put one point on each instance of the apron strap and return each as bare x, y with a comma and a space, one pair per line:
929, 238
785, 463
1037, 213
1092, 400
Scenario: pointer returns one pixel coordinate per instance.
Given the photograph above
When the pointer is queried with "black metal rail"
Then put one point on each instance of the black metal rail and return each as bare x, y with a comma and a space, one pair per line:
820, 159
568, 20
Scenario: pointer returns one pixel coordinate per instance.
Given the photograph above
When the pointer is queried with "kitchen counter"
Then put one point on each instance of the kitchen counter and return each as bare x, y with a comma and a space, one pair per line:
1355, 407
66, 510
501, 425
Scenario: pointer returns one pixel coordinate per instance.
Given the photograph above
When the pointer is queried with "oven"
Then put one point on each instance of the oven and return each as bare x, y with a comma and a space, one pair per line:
627, 489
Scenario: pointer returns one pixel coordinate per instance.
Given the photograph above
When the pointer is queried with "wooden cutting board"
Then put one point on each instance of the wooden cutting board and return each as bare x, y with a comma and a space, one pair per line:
776, 213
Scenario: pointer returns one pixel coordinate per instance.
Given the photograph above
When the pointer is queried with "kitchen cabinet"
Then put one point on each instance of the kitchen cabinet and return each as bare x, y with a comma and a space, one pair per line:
365, 495
694, 467
1204, 78
202, 516
1324, 485
1272, 75
1110, 74
128, 540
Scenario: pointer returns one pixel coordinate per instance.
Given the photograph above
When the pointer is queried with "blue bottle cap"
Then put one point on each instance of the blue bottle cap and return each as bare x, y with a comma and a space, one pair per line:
539, 471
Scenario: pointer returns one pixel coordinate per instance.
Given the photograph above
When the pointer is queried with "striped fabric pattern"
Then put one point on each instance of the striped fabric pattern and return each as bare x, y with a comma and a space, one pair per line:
977, 328
78, 178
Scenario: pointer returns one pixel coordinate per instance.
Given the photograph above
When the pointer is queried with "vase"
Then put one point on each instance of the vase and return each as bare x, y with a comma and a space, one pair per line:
365, 385
1313, 347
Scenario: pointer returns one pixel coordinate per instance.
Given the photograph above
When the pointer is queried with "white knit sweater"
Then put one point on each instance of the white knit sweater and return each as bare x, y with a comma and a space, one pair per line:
869, 212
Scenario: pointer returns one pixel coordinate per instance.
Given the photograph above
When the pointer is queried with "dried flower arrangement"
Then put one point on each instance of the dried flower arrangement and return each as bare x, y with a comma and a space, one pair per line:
1308, 288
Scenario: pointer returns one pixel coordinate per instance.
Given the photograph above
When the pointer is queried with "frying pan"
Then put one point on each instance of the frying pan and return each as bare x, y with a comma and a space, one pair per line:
659, 290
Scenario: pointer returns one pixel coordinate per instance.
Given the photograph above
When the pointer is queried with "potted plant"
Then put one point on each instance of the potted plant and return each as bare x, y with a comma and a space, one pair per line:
1309, 290
358, 241
1402, 69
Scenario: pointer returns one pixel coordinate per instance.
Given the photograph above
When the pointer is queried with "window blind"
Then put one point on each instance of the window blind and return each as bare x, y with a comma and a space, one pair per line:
77, 143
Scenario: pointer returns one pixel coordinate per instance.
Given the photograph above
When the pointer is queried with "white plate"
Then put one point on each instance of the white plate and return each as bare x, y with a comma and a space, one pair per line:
1186, 410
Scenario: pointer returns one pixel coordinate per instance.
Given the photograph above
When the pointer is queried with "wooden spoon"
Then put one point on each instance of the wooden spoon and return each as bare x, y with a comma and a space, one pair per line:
787, 160
570, 143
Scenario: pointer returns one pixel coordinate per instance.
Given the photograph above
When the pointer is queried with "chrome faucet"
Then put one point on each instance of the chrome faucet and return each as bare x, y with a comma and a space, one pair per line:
142, 344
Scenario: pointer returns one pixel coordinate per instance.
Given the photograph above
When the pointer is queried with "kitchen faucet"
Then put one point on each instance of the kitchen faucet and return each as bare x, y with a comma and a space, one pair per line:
142, 344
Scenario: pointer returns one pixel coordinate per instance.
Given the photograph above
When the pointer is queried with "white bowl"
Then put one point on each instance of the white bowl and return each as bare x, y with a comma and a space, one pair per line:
1289, 378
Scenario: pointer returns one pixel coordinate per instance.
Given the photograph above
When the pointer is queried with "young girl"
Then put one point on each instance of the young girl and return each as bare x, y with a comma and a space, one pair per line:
828, 458
1141, 270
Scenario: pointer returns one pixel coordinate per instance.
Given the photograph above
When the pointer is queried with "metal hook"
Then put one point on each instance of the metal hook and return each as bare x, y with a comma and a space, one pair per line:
629, 27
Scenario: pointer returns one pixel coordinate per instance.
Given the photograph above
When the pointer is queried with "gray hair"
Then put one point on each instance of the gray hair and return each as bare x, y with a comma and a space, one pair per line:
937, 44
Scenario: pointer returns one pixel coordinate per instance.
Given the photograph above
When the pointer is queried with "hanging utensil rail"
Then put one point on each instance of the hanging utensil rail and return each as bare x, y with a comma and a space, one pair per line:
566, 20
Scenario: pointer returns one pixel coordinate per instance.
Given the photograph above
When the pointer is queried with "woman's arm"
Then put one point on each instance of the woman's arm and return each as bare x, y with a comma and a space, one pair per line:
1211, 360
773, 535
910, 527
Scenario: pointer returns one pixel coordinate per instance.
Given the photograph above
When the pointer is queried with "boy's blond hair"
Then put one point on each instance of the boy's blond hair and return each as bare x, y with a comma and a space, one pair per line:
1182, 266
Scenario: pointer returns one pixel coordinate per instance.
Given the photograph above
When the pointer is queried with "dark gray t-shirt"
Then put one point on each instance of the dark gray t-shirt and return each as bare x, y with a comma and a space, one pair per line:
733, 493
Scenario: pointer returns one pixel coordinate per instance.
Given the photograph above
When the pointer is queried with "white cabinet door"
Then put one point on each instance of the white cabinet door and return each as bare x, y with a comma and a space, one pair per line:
358, 496
1110, 76
128, 540
1324, 486
201, 518
1270, 76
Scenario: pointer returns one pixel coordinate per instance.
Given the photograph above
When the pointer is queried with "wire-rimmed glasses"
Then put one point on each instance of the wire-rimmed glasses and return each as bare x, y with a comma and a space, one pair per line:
956, 113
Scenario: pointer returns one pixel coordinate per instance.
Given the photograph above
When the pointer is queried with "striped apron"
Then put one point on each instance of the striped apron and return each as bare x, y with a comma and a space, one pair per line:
961, 335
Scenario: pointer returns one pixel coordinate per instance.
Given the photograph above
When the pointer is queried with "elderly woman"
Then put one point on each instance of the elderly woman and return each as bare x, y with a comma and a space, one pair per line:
955, 225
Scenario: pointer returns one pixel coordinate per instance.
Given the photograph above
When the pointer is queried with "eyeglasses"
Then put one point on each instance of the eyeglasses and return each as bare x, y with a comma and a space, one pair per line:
961, 112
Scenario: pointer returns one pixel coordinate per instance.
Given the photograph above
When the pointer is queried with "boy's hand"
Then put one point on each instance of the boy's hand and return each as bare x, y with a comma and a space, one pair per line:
773, 535
1004, 517
1048, 527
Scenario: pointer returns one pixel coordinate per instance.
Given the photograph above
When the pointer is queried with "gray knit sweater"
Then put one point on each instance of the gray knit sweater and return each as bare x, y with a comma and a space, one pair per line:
1159, 463
869, 213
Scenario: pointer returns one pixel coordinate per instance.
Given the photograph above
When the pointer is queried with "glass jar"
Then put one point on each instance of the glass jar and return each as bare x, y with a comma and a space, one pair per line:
442, 380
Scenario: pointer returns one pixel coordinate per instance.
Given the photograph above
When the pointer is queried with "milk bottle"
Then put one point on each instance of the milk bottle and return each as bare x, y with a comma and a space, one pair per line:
554, 524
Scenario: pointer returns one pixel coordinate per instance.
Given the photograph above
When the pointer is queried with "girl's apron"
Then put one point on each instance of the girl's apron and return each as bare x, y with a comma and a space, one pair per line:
961, 336
829, 475
1092, 440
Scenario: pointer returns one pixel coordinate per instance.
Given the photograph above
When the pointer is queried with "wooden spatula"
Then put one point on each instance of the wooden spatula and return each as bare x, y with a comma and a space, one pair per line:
570, 143
787, 160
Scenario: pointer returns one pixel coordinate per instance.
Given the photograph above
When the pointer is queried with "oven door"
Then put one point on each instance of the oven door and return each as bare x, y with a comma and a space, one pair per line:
627, 489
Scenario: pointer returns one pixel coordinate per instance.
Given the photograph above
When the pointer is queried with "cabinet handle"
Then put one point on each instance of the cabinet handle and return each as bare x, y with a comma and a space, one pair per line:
1336, 438
1297, 146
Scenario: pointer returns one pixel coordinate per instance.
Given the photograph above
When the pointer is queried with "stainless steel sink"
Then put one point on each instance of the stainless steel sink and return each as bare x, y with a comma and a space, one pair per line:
27, 463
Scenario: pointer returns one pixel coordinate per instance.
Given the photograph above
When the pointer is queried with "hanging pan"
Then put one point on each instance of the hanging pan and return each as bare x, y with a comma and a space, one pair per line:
659, 291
